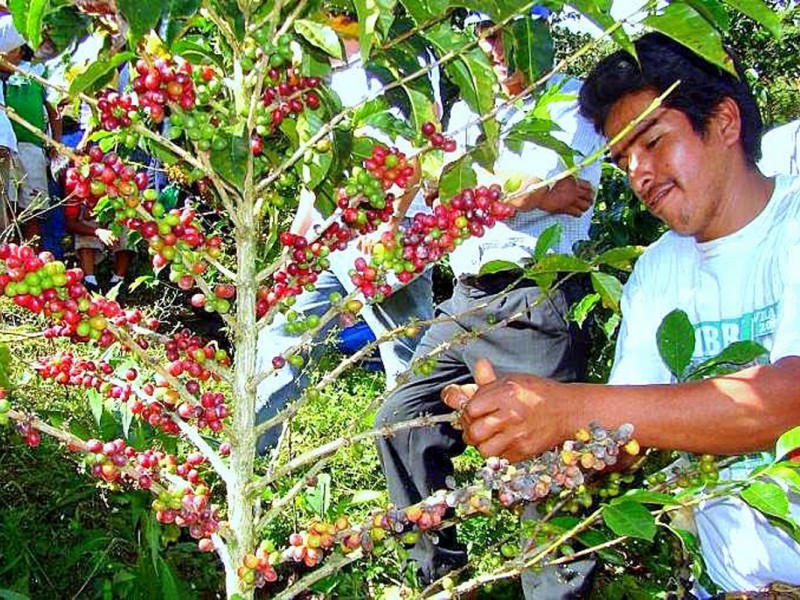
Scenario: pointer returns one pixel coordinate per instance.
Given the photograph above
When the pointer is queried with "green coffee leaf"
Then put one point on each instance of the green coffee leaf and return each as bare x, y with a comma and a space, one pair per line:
457, 176
675, 339
760, 12
141, 15
581, 309
548, 239
646, 497
630, 519
767, 497
787, 443
620, 258
320, 35
499, 266
609, 288
686, 26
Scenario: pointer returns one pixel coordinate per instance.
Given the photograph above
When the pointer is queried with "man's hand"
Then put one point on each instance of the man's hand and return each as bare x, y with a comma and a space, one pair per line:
568, 196
106, 236
513, 416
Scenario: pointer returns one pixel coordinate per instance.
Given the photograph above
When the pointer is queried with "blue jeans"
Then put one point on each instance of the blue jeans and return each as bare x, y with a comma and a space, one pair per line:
286, 384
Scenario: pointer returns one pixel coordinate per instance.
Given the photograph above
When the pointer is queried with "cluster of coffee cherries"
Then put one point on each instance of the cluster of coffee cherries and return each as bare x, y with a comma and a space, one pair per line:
44, 285
257, 569
554, 471
67, 369
310, 546
437, 139
390, 167
162, 82
117, 111
409, 250
105, 175
189, 507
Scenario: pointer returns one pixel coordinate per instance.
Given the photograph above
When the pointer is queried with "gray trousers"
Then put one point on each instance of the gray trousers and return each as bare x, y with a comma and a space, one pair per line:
541, 342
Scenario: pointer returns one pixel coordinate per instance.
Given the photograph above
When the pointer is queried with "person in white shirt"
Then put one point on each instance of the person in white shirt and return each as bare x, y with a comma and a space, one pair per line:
729, 262
352, 83
541, 341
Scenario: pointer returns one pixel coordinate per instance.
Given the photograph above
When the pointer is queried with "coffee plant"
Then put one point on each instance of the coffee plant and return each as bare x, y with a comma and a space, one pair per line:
232, 98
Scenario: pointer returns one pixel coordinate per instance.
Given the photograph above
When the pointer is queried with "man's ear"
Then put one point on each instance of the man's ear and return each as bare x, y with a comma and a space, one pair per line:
727, 121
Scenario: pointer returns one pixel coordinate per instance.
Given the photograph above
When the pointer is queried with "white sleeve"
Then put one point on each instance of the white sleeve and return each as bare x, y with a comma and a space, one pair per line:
787, 329
9, 36
636, 358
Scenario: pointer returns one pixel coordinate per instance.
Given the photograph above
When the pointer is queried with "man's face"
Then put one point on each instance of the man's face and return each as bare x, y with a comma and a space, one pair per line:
677, 173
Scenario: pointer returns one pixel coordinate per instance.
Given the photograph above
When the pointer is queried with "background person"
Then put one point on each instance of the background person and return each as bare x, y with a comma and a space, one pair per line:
417, 462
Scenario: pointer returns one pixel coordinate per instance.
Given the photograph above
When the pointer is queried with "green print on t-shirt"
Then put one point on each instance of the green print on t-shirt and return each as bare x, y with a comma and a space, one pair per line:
712, 337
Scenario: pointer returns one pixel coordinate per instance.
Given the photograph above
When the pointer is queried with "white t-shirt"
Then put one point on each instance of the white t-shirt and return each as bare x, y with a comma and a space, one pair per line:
779, 150
515, 239
9, 40
744, 286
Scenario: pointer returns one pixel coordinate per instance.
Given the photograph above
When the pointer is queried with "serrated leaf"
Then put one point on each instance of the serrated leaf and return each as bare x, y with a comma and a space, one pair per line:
675, 340
320, 35
686, 26
761, 13
95, 404
499, 266
547, 240
630, 519
141, 15
767, 497
609, 288
581, 309
457, 176
788, 442
231, 161
619, 258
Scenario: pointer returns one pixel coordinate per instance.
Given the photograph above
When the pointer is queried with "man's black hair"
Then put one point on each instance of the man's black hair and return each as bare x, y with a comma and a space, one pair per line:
661, 62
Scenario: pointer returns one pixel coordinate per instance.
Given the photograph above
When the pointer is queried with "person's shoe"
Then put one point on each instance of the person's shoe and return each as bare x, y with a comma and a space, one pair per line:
92, 288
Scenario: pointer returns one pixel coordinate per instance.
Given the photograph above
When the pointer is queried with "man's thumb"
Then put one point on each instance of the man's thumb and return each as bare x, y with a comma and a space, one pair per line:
484, 372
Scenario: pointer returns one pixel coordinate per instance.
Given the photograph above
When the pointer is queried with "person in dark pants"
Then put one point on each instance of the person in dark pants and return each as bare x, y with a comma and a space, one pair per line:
539, 339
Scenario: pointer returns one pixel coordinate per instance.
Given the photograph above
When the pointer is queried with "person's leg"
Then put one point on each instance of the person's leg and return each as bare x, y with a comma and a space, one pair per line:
286, 384
418, 461
33, 189
413, 302
122, 262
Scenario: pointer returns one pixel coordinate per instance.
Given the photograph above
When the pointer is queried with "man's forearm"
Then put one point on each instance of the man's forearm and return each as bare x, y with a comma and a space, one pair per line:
737, 413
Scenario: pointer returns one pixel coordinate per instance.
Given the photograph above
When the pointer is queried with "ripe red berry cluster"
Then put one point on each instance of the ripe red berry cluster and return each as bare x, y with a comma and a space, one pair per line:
116, 110
106, 175
44, 285
173, 232
67, 369
189, 507
286, 94
390, 167
437, 139
429, 236
163, 82
257, 569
